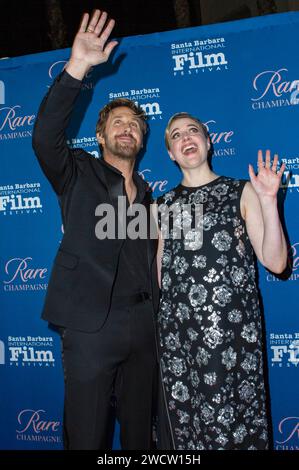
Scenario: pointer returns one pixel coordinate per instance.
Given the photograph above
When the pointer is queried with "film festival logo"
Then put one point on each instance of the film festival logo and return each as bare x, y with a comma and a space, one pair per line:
21, 276
284, 349
88, 143
20, 198
34, 426
274, 89
290, 180
198, 56
147, 98
288, 429
28, 351
151, 107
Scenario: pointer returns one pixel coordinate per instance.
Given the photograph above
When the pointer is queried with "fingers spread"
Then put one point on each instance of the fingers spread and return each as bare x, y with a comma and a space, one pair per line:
281, 170
107, 31
109, 47
94, 19
100, 23
252, 174
275, 163
260, 161
84, 22
268, 159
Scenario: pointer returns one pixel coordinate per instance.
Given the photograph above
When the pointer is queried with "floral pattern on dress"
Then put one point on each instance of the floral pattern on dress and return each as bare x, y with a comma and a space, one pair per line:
209, 324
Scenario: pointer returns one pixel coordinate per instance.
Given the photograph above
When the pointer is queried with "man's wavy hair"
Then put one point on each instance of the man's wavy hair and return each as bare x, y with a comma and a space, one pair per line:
119, 102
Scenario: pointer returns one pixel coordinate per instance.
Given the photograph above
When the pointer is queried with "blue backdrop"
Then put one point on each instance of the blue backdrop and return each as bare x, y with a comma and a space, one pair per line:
241, 79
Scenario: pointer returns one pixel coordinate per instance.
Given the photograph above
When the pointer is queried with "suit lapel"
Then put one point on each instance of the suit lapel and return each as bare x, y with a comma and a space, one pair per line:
111, 178
114, 182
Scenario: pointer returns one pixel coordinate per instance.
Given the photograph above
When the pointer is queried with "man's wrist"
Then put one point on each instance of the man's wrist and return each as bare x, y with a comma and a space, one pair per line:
77, 68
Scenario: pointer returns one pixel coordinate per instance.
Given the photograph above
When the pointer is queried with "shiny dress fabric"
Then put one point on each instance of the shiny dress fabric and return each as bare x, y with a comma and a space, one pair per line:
210, 326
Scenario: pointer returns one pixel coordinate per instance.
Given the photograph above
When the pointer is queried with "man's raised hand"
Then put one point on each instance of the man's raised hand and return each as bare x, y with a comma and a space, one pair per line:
90, 46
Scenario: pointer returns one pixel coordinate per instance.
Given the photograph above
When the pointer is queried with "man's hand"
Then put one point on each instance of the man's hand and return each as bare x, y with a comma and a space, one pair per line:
267, 182
90, 45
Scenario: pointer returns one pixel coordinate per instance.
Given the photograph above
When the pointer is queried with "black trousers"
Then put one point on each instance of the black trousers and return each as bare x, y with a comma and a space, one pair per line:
118, 360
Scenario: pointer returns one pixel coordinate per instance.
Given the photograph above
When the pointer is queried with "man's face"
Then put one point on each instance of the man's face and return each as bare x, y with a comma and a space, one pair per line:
122, 136
188, 145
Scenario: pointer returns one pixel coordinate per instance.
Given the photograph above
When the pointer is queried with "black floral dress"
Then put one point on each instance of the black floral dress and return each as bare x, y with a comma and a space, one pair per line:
209, 323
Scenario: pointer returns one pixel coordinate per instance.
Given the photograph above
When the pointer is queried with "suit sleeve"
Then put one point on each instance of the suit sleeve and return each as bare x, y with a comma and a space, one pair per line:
49, 135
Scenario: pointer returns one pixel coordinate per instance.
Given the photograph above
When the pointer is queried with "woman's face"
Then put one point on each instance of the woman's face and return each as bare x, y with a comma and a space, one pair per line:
188, 145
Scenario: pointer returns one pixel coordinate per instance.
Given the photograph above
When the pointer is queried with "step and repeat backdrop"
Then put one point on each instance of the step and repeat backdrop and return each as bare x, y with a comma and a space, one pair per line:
242, 80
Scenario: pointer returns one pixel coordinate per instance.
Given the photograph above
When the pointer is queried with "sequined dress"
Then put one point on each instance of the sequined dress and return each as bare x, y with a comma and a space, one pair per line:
209, 324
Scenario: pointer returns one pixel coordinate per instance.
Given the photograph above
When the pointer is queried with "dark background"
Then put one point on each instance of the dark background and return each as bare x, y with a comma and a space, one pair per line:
30, 26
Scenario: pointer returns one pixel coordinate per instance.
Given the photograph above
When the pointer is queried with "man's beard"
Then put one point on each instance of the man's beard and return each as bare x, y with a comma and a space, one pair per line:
123, 150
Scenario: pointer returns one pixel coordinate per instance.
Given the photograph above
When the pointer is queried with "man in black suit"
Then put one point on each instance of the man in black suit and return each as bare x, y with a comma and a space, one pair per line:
103, 293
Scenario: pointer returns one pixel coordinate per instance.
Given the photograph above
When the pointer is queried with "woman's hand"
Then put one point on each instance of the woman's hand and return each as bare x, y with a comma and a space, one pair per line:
267, 181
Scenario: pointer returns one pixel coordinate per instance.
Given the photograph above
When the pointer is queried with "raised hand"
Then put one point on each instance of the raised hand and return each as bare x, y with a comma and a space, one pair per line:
90, 46
267, 180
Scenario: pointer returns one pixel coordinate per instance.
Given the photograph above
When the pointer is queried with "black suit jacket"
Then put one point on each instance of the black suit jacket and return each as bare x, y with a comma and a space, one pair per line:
81, 282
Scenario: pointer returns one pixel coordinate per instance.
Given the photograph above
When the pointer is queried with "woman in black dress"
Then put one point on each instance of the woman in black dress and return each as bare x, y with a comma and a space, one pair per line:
209, 318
